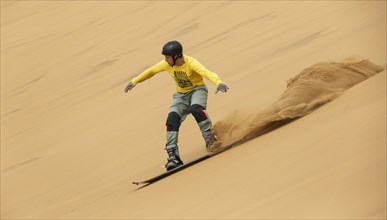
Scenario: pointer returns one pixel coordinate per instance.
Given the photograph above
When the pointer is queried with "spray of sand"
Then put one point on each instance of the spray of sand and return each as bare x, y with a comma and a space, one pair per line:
305, 92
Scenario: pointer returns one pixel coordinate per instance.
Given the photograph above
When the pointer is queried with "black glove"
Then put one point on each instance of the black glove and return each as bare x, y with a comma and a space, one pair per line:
221, 87
130, 86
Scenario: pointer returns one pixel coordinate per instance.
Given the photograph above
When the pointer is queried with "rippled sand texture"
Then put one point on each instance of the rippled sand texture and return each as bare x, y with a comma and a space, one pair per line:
310, 72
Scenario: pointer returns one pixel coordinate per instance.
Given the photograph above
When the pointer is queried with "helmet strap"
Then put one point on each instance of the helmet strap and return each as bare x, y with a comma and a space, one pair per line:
175, 57
174, 60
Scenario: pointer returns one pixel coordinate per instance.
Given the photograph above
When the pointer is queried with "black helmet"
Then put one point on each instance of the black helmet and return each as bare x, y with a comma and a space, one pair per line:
173, 48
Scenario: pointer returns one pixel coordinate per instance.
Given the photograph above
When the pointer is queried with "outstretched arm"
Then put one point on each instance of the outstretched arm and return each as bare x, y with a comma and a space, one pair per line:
213, 77
159, 67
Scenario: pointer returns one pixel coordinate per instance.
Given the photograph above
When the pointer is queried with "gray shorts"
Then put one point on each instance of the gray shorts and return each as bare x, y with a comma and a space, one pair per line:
182, 101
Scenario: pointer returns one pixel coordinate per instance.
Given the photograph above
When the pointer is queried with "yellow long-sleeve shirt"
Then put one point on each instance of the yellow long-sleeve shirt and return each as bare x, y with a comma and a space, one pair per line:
186, 77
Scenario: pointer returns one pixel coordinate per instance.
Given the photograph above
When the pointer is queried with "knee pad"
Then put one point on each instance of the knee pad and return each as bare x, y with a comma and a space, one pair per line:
198, 112
173, 121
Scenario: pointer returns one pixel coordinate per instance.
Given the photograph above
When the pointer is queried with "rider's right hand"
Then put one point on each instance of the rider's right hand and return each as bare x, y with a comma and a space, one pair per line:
130, 86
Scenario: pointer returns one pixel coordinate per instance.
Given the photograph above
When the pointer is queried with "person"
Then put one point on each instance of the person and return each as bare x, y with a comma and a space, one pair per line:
190, 98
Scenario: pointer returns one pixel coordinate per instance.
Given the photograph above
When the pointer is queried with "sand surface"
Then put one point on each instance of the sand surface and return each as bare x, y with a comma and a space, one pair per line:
72, 141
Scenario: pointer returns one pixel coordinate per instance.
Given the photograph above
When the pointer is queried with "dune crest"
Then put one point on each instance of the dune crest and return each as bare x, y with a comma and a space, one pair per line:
308, 90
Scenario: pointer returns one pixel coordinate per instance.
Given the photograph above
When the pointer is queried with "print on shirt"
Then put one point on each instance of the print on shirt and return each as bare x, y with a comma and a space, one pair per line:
182, 79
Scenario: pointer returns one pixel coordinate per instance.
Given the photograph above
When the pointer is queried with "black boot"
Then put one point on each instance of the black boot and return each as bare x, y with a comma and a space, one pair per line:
174, 160
212, 142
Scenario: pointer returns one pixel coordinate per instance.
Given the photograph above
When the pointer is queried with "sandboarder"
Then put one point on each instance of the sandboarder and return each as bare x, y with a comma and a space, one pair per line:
190, 98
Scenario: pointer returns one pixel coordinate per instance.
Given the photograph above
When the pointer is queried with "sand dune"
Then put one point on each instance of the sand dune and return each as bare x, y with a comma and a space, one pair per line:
72, 141
310, 89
